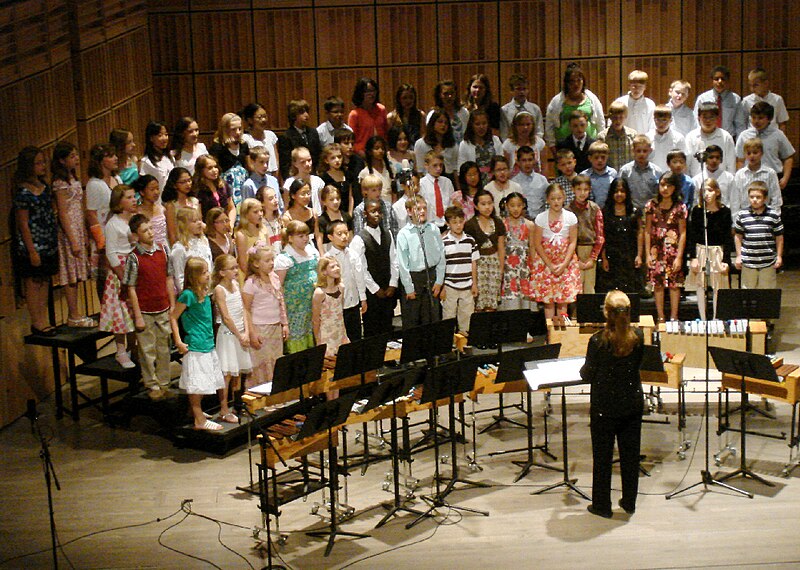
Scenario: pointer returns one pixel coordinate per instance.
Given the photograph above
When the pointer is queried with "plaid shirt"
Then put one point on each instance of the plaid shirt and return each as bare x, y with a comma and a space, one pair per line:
620, 146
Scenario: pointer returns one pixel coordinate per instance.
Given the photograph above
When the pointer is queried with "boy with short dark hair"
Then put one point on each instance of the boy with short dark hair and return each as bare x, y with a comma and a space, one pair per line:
676, 162
600, 173
532, 183
460, 272
641, 174
578, 142
759, 241
352, 163
334, 113
712, 169
298, 134
759, 85
708, 133
519, 102
731, 117
565, 161
151, 296
640, 108
778, 151
618, 137
591, 236
755, 171
665, 138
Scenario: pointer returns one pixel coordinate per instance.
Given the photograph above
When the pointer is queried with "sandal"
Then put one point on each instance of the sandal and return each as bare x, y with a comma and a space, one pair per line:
229, 418
209, 426
83, 323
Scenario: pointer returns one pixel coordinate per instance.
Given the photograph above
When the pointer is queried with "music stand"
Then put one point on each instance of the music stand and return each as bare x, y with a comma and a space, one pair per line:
539, 375
492, 330
326, 416
445, 381
389, 389
355, 359
511, 367
295, 370
743, 364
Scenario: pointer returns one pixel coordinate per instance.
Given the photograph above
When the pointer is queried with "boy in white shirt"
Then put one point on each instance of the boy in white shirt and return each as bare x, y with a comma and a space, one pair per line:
712, 170
759, 85
334, 112
683, 119
731, 116
519, 102
532, 183
707, 134
640, 108
665, 138
436, 189
755, 170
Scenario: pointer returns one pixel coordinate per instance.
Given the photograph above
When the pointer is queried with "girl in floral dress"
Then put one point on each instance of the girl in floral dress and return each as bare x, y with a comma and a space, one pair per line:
557, 276
517, 291
146, 186
296, 267
664, 243
327, 307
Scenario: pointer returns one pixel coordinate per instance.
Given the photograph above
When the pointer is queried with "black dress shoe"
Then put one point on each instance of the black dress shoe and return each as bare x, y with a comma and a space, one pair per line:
624, 508
598, 512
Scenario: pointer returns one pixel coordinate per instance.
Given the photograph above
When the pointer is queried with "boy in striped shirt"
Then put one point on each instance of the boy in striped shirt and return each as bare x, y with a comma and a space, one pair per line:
460, 270
759, 241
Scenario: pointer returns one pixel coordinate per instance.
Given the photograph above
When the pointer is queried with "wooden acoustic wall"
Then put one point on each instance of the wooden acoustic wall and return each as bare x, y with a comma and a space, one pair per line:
211, 56
69, 70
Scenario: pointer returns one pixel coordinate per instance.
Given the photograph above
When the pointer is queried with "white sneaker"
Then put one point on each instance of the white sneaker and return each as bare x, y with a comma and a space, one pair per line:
124, 360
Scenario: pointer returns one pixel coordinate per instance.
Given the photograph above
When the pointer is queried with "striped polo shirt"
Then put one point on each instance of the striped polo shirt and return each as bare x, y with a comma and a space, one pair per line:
758, 233
459, 255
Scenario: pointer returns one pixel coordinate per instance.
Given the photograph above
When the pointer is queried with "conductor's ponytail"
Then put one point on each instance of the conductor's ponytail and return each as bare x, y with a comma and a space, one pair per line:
618, 332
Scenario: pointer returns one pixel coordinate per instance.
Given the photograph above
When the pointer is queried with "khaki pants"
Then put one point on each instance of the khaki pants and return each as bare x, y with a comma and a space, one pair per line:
154, 356
764, 278
458, 303
584, 252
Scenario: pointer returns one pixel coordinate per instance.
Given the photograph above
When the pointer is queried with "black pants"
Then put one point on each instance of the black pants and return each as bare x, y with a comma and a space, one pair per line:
379, 315
424, 308
628, 433
352, 322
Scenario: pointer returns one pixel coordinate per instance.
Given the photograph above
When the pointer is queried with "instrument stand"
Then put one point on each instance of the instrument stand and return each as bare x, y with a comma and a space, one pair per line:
744, 364
50, 476
501, 418
447, 380
263, 493
527, 464
327, 416
566, 481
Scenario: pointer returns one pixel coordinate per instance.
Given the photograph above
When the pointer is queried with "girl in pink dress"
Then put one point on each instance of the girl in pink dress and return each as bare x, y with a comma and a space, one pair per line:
557, 277
150, 205
73, 236
517, 292
327, 316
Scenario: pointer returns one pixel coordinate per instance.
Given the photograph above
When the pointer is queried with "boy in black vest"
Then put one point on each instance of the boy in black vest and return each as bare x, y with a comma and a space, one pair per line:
376, 247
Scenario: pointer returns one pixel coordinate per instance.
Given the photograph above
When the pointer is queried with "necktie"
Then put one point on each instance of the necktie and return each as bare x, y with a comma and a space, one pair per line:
719, 104
438, 193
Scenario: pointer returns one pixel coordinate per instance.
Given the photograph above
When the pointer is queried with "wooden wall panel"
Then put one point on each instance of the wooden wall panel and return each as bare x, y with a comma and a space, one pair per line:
711, 25
468, 32
423, 78
175, 98
217, 5
63, 106
782, 67
414, 27
127, 80
220, 93
638, 16
94, 74
274, 91
166, 6
281, 4
661, 71
770, 25
588, 28
525, 30
170, 43
134, 114
283, 39
345, 37
697, 68
222, 41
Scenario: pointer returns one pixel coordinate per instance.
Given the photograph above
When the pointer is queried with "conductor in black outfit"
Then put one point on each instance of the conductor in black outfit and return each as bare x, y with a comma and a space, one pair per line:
613, 358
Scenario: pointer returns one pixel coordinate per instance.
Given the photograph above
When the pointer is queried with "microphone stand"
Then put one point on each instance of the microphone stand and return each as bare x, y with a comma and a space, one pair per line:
706, 478
50, 476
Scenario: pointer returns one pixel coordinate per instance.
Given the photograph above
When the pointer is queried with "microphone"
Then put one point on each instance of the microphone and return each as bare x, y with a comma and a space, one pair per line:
406, 172
701, 156
32, 414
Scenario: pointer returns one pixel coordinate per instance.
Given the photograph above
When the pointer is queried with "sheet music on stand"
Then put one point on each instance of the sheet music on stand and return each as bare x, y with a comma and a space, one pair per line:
554, 373
264, 389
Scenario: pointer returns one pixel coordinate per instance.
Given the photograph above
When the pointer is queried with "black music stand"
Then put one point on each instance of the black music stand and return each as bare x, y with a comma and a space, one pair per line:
544, 382
445, 381
389, 389
356, 359
295, 370
323, 416
492, 330
510, 369
737, 363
